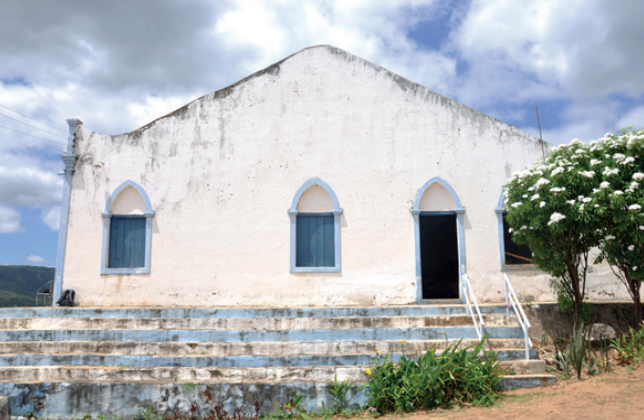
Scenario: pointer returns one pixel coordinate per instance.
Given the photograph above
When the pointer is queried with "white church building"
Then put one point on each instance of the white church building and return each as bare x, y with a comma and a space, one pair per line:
321, 180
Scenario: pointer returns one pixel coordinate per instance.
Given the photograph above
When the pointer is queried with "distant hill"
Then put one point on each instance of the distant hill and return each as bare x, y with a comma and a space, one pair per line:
19, 283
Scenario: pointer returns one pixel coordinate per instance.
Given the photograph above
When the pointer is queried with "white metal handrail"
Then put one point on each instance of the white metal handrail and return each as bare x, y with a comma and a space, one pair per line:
467, 291
512, 301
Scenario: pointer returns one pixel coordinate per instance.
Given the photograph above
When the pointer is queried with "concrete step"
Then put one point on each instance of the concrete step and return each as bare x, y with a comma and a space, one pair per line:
204, 361
140, 313
171, 398
213, 374
248, 324
528, 381
164, 348
525, 367
313, 335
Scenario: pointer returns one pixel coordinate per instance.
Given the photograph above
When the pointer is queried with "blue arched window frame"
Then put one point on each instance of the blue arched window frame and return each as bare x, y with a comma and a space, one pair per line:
499, 210
337, 213
107, 219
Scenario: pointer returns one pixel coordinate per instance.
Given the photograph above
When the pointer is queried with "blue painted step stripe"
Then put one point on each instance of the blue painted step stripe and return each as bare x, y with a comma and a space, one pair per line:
251, 336
204, 361
411, 310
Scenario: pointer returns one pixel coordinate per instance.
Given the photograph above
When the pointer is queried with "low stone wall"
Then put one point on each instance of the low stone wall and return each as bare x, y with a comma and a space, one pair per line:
546, 318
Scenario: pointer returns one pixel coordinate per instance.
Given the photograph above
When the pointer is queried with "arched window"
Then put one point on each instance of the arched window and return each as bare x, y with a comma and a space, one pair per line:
127, 231
440, 241
511, 253
315, 229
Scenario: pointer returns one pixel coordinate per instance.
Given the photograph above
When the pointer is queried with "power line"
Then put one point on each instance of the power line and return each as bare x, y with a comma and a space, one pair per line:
32, 126
23, 115
36, 137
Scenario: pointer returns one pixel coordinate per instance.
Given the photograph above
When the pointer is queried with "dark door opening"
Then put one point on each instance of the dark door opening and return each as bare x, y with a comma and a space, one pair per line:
439, 255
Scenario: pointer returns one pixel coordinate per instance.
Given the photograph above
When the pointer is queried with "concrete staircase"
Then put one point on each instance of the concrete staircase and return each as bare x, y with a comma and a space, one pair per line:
69, 362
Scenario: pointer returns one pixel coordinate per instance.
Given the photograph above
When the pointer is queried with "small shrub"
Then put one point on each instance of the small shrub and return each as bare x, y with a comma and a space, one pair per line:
454, 377
527, 299
339, 391
576, 351
629, 349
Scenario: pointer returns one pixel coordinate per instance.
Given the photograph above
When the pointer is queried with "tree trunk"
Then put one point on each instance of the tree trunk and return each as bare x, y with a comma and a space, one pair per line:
636, 285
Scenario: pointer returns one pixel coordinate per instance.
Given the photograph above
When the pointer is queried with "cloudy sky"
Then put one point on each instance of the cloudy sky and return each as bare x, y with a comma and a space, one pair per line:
119, 64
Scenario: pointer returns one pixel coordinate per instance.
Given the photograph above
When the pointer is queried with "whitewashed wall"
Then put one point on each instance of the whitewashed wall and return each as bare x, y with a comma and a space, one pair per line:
222, 172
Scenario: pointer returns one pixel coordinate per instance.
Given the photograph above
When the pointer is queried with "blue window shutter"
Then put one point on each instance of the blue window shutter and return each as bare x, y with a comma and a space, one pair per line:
127, 242
315, 240
329, 242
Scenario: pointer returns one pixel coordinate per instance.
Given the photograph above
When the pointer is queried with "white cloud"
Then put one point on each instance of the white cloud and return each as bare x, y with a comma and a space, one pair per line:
29, 186
51, 217
584, 47
375, 30
633, 118
9, 220
36, 259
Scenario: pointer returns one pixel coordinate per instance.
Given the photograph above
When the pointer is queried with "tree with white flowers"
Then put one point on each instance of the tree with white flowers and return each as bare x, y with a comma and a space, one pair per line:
617, 204
547, 211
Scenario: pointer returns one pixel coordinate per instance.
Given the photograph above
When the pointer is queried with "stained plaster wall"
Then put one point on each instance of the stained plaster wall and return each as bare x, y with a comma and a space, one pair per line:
222, 171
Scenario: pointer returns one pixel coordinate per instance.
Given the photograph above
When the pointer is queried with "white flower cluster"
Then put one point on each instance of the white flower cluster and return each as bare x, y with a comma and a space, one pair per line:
541, 182
638, 176
609, 172
556, 217
635, 207
557, 189
587, 174
557, 171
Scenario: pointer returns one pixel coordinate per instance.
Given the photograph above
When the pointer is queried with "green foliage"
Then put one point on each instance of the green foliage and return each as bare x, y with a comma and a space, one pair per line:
291, 410
339, 391
617, 205
579, 197
576, 352
19, 284
455, 376
547, 211
630, 349
527, 299
599, 361
189, 386
148, 415
567, 305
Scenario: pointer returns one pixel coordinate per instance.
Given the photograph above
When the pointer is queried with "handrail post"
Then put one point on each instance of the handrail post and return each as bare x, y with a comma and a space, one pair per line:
467, 290
507, 298
512, 299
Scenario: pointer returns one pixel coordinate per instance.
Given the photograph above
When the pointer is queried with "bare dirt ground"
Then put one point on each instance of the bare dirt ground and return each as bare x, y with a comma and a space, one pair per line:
618, 394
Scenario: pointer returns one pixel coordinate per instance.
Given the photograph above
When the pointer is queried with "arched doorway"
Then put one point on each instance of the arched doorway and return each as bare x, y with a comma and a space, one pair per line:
440, 247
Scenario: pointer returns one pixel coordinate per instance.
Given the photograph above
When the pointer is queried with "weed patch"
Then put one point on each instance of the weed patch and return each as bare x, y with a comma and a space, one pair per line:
455, 376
